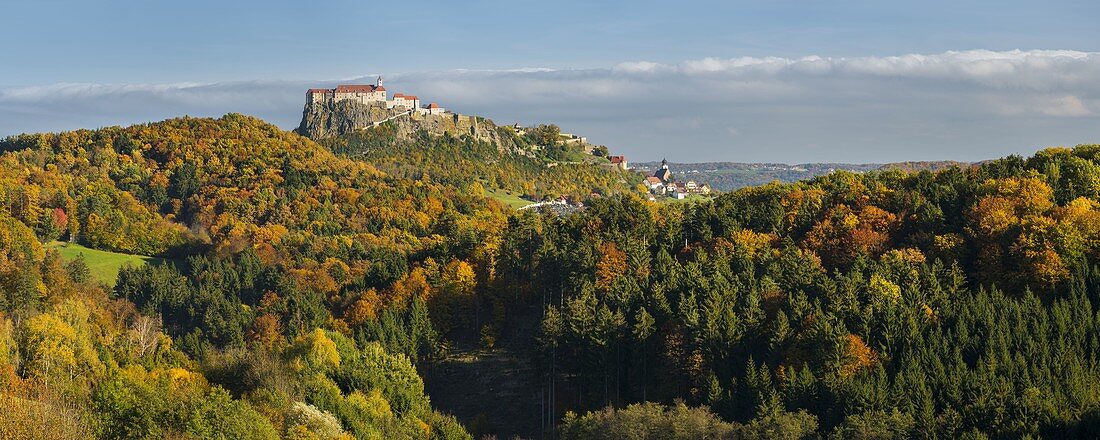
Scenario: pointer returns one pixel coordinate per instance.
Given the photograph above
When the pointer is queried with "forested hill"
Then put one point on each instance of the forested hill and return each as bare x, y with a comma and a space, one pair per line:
303, 293
282, 249
728, 176
536, 165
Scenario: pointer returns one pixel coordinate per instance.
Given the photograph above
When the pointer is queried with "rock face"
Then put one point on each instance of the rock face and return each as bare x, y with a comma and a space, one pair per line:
321, 120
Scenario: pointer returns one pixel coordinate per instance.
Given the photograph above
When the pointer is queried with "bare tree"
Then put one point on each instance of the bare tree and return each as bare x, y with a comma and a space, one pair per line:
145, 334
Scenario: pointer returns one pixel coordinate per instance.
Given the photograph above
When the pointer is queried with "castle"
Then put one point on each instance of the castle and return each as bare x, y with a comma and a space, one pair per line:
371, 95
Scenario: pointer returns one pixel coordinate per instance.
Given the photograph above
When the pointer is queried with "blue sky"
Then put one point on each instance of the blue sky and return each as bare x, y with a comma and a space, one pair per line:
791, 81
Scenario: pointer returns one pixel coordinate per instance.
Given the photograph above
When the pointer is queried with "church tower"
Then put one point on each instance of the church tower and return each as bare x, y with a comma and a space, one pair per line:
378, 82
663, 173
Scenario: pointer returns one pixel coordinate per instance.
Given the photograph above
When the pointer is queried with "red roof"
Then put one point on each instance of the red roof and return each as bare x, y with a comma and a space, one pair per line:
380, 89
312, 91
351, 88
618, 159
398, 95
433, 105
411, 98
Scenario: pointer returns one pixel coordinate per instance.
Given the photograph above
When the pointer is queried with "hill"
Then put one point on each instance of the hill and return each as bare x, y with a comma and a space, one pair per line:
468, 152
728, 176
282, 238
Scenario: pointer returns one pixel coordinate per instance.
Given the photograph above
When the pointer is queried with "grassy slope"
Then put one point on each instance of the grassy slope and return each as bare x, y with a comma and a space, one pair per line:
508, 198
103, 265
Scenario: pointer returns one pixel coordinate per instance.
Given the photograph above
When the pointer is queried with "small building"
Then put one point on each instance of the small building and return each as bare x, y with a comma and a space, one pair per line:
619, 162
401, 100
654, 184
435, 109
319, 95
571, 138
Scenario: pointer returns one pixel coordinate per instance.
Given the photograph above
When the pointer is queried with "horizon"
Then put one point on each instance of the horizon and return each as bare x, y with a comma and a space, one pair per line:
847, 82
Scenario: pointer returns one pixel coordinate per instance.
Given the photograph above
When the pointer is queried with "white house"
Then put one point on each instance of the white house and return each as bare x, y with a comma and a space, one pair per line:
404, 101
655, 184
319, 95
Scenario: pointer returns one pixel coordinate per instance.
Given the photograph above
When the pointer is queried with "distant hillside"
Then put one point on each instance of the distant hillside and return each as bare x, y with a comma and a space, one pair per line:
728, 176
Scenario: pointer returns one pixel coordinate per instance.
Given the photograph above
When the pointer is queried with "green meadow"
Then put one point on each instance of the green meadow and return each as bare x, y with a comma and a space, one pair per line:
103, 265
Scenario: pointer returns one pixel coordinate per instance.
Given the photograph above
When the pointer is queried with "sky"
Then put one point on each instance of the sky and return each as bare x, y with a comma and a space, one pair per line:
691, 81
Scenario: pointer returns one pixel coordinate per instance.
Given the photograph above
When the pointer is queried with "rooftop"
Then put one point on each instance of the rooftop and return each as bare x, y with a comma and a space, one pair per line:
355, 88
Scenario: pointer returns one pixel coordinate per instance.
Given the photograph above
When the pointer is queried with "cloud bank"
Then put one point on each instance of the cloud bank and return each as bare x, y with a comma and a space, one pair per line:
964, 105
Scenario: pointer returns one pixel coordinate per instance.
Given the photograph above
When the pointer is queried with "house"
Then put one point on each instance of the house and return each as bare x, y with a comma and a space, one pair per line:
435, 109
654, 184
619, 162
572, 138
407, 102
319, 95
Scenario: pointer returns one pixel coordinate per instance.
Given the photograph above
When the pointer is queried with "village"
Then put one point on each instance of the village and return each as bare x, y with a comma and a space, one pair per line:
662, 184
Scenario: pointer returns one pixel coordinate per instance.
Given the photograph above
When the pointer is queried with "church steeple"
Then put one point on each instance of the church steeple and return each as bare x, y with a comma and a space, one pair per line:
378, 82
664, 164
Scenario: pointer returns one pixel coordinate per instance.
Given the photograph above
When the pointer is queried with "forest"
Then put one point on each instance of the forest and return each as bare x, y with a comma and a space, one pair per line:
307, 290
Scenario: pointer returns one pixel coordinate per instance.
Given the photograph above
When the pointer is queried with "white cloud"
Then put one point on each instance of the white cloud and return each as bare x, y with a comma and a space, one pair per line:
954, 105
1068, 105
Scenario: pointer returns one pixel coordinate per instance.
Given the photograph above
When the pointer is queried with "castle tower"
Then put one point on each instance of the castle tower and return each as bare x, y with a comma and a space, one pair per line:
378, 82
664, 164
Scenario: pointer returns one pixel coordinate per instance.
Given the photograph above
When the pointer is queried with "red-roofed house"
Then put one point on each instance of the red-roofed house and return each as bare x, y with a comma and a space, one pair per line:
655, 185
404, 101
619, 161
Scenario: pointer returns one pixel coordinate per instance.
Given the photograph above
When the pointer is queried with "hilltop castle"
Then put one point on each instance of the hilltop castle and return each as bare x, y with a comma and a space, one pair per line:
371, 95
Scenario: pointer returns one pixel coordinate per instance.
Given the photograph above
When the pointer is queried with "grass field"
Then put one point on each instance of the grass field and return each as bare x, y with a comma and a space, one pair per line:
508, 198
102, 265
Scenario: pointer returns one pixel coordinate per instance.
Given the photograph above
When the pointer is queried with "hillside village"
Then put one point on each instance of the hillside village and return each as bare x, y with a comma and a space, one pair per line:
662, 184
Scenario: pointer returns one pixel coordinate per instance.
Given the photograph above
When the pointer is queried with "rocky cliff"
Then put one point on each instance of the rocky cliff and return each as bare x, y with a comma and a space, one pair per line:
345, 117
